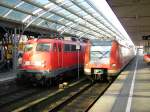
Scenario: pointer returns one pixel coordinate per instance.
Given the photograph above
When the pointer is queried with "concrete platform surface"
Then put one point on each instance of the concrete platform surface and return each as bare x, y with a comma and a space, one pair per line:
130, 92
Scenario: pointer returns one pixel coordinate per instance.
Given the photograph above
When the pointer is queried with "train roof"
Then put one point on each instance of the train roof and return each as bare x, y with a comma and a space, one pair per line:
98, 42
51, 40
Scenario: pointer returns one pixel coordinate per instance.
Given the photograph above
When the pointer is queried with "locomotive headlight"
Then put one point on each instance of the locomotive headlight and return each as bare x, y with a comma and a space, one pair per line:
87, 70
39, 63
113, 65
27, 63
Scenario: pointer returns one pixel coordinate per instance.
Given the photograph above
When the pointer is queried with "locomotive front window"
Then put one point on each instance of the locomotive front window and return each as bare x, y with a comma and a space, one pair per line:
44, 47
28, 47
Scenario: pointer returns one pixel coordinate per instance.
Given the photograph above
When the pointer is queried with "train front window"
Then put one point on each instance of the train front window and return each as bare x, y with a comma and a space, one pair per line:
99, 54
28, 47
44, 47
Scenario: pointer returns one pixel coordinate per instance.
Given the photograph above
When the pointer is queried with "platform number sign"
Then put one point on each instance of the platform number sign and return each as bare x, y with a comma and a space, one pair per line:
147, 37
78, 46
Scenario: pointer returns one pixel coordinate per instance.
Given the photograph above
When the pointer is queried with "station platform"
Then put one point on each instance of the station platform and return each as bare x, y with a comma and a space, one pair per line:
9, 75
130, 92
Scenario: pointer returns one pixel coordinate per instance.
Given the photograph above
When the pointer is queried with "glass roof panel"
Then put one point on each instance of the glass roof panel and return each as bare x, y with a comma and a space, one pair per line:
28, 7
74, 8
38, 21
81, 21
49, 5
55, 26
64, 21
47, 14
90, 10
87, 20
82, 13
10, 2
3, 10
79, 1
68, 3
64, 12
15, 15
57, 9
72, 16
41, 2
84, 4
46, 24
54, 17
88, 17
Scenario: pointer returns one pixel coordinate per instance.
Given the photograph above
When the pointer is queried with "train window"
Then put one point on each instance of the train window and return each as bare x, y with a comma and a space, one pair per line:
59, 47
81, 48
66, 47
96, 42
43, 47
28, 47
73, 47
99, 54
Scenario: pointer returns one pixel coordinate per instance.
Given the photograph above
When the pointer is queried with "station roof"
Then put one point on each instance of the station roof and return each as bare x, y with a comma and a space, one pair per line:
75, 17
134, 16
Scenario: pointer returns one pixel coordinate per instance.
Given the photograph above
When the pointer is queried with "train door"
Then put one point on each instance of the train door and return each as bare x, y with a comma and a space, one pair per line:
55, 56
60, 55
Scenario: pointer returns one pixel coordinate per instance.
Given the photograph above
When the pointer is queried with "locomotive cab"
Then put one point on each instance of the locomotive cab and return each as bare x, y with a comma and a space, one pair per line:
46, 59
98, 61
35, 61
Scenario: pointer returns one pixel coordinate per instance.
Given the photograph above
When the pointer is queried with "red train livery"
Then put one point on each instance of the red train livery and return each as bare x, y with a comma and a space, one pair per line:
45, 59
146, 49
147, 58
104, 59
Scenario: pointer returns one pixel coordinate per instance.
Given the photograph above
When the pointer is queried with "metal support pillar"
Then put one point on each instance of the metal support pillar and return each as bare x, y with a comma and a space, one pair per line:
15, 62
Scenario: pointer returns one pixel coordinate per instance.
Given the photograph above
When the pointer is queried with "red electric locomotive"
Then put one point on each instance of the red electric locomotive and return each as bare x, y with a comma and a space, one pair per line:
104, 59
46, 59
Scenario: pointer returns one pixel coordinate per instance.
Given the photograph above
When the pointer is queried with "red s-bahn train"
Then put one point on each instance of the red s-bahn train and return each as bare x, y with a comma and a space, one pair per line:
104, 59
47, 59
147, 58
146, 55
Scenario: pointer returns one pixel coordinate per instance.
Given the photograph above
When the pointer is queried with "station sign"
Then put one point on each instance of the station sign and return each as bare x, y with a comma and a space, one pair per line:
146, 37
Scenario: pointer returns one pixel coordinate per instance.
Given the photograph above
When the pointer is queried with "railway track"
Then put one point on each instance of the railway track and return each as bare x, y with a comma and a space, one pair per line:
62, 98
80, 101
13, 96
83, 101
52, 98
67, 99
